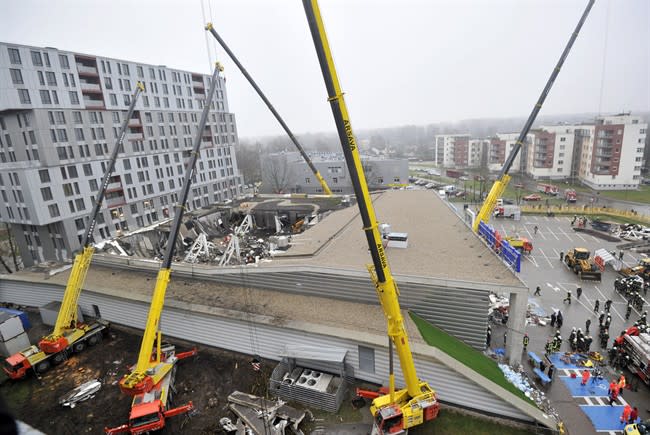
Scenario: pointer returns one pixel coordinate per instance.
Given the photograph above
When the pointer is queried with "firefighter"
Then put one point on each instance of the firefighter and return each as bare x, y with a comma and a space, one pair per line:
568, 297
601, 318
608, 305
604, 337
579, 292
628, 310
526, 341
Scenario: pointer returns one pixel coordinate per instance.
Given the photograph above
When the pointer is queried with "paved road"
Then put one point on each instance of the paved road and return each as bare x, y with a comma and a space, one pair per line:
545, 269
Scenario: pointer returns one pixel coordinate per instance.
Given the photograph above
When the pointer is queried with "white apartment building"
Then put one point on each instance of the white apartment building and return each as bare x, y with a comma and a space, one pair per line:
452, 150
500, 147
60, 113
611, 154
550, 152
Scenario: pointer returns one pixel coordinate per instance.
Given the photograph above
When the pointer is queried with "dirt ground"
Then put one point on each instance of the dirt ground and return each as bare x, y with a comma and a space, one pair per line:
206, 380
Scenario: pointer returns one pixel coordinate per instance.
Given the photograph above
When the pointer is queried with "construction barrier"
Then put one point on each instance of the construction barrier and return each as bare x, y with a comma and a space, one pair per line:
586, 210
510, 255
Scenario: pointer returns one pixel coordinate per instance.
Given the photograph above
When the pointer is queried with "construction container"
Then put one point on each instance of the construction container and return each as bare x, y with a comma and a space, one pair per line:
14, 345
23, 316
50, 312
10, 326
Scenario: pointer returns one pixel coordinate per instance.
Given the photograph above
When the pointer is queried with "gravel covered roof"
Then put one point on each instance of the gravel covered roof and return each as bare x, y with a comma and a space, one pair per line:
440, 245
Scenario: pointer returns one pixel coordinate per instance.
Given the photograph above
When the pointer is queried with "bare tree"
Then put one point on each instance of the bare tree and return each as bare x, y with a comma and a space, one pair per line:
276, 171
11, 246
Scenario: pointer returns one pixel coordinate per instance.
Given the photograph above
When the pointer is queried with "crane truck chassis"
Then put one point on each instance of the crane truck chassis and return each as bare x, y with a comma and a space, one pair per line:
18, 365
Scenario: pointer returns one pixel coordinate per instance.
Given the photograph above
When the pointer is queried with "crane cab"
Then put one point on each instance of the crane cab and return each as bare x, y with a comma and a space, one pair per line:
389, 420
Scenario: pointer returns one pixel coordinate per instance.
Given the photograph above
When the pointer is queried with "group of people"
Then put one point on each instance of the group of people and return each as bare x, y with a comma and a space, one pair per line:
630, 288
579, 342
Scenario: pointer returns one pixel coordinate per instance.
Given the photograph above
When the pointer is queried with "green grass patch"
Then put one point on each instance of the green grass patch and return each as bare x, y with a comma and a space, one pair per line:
467, 355
450, 422
640, 195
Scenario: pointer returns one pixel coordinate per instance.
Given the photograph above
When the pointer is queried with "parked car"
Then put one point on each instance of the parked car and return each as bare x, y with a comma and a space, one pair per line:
532, 197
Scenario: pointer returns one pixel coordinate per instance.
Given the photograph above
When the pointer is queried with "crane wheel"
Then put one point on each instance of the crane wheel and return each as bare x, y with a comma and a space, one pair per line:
94, 340
79, 346
58, 359
42, 366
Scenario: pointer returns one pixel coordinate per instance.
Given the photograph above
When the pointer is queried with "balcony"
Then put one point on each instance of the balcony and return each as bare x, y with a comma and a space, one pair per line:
115, 202
135, 122
87, 70
134, 136
115, 187
94, 104
90, 87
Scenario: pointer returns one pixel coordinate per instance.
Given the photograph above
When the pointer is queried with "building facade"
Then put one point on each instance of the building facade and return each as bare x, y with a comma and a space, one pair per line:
550, 152
60, 114
612, 152
454, 151
287, 172
501, 146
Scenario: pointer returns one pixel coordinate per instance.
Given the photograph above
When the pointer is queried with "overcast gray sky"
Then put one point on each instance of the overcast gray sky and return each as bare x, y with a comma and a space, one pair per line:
399, 62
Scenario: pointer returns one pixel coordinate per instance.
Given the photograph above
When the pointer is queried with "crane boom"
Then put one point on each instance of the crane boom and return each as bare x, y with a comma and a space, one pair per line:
499, 186
148, 372
209, 27
417, 401
66, 320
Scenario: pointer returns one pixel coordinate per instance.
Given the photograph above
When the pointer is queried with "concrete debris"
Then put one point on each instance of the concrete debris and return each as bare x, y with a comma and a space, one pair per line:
231, 234
263, 416
83, 392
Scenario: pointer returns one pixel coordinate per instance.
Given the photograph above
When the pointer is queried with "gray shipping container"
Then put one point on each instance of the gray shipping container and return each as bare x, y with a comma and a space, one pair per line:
50, 311
16, 344
10, 326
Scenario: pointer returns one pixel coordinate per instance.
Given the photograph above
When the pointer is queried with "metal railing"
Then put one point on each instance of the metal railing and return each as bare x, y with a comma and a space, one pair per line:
586, 210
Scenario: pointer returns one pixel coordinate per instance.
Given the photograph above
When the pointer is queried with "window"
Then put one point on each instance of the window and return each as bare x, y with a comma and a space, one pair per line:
79, 223
16, 76
65, 80
54, 210
79, 134
127, 99
88, 170
563, 139
45, 97
139, 71
14, 56
108, 83
113, 99
63, 60
46, 193
76, 116
23, 96
51, 78
60, 117
366, 359
55, 97
41, 78
44, 175
93, 185
37, 60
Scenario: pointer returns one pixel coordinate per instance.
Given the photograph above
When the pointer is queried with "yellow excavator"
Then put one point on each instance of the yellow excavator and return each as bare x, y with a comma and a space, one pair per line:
501, 183
397, 411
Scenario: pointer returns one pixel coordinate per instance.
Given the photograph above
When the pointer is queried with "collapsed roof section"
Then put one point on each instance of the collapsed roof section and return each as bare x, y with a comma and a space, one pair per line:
238, 233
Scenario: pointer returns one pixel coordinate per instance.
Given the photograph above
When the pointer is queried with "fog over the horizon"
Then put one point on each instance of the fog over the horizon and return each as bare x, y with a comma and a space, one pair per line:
399, 62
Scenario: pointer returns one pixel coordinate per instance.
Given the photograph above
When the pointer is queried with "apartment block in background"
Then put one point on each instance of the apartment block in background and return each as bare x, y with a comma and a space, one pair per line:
287, 172
60, 113
612, 150
550, 153
500, 148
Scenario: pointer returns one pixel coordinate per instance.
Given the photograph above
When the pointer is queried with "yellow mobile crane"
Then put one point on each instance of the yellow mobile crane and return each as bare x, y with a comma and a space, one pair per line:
499, 186
70, 336
397, 411
151, 381
209, 27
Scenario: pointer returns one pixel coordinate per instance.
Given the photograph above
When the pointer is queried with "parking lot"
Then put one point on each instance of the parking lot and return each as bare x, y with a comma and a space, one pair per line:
587, 408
